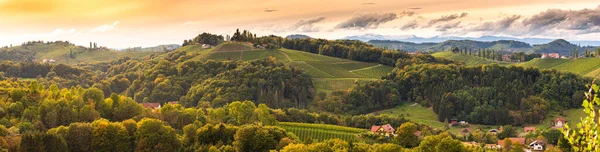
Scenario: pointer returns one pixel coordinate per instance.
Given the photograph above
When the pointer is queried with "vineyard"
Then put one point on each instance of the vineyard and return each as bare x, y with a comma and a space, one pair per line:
320, 132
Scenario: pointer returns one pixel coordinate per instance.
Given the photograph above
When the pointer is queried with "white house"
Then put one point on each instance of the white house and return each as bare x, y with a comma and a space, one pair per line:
536, 145
206, 46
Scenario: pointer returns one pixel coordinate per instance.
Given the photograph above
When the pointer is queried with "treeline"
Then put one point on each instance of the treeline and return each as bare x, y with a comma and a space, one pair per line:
10, 54
205, 38
60, 74
217, 83
354, 50
491, 95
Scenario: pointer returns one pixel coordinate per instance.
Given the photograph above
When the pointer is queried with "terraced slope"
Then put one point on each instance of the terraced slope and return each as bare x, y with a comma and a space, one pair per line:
468, 60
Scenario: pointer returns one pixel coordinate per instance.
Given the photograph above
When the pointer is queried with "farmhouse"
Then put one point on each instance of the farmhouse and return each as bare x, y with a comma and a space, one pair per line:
506, 57
529, 130
550, 56
385, 130
537, 145
559, 122
493, 131
206, 46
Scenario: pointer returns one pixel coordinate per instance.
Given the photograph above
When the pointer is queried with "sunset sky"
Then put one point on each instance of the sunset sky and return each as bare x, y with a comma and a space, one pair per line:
129, 23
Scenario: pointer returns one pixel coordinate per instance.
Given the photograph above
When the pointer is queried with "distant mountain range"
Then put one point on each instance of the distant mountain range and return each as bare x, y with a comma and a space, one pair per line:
168, 47
560, 46
437, 39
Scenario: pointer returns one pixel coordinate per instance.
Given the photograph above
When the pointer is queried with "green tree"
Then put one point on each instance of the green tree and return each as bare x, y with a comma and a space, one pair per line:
406, 135
583, 137
154, 136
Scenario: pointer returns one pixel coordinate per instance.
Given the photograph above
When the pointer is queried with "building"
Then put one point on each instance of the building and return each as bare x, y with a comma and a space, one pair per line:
506, 57
206, 46
152, 106
453, 122
559, 122
529, 130
385, 130
550, 56
494, 131
537, 145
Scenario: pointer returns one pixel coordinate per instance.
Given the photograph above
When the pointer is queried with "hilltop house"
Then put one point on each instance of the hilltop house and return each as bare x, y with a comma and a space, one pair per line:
385, 130
550, 56
206, 46
559, 122
537, 145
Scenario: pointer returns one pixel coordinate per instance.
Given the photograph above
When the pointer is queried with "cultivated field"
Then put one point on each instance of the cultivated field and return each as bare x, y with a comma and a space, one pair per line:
320, 132
468, 60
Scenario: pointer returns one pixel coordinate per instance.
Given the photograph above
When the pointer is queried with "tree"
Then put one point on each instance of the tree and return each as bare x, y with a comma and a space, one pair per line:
154, 136
254, 138
583, 137
450, 145
80, 137
406, 135
507, 145
110, 137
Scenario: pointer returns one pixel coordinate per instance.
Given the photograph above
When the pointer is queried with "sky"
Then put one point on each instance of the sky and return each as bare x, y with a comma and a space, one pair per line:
132, 23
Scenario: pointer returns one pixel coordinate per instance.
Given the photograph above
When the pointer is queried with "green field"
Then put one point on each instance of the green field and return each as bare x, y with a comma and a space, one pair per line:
415, 113
587, 66
468, 60
329, 73
320, 132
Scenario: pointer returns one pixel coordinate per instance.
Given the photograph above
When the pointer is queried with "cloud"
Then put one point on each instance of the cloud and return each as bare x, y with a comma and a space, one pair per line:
406, 14
56, 32
105, 28
368, 3
415, 8
447, 18
270, 10
500, 25
410, 25
366, 20
448, 26
307, 25
578, 21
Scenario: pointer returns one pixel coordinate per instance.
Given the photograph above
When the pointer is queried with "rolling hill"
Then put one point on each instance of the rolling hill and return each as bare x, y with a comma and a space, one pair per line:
67, 53
468, 60
505, 45
586, 66
559, 46
407, 46
328, 73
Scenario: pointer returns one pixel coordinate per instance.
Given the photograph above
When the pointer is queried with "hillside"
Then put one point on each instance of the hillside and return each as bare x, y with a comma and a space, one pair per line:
328, 73
559, 46
400, 45
505, 45
587, 66
468, 60
297, 36
67, 53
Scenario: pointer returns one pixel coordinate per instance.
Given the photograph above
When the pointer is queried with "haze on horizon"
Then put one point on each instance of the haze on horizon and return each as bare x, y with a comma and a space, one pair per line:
128, 23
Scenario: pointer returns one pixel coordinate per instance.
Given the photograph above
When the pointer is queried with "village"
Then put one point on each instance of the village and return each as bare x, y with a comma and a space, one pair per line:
530, 138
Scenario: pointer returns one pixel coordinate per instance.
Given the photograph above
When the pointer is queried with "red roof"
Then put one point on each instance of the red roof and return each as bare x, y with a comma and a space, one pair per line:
151, 105
556, 120
418, 133
388, 128
554, 55
527, 129
375, 128
520, 140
